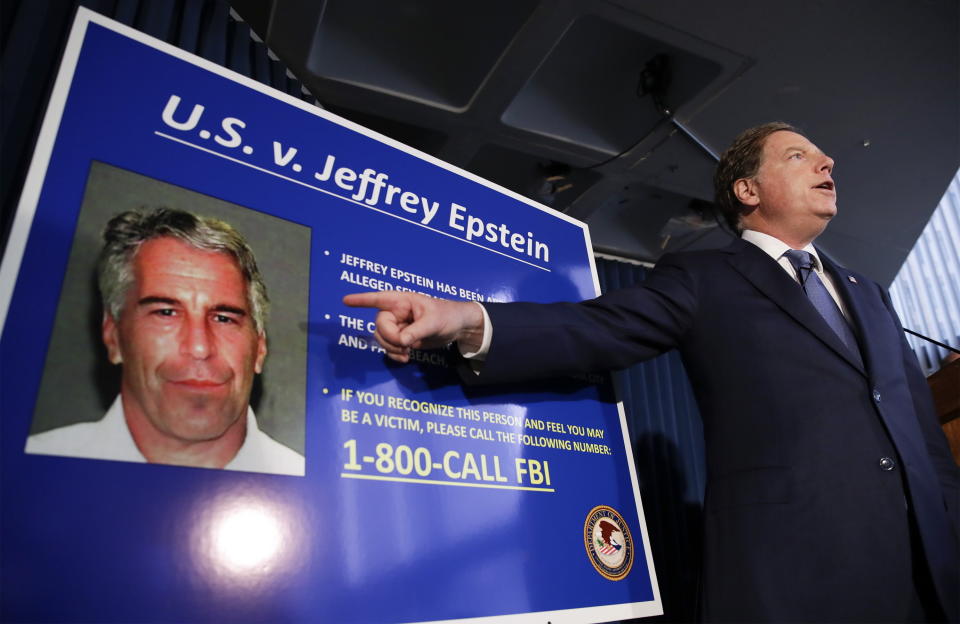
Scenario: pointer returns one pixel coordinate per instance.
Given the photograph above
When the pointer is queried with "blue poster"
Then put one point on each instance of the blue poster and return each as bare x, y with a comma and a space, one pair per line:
194, 426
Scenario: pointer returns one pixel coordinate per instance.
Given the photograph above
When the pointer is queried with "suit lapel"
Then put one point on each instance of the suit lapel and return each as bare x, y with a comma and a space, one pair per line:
769, 278
850, 290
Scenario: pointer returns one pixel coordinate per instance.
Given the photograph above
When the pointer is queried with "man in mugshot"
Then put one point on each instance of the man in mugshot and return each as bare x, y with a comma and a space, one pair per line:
184, 312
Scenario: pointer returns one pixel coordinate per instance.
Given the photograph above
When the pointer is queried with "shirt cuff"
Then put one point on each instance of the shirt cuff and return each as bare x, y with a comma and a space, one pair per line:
480, 354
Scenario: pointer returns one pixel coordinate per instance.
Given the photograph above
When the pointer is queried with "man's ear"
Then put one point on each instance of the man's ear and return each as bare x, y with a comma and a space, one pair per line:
745, 190
111, 338
261, 353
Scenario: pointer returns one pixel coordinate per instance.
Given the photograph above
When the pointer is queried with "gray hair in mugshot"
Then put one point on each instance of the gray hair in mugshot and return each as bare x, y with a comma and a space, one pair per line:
126, 231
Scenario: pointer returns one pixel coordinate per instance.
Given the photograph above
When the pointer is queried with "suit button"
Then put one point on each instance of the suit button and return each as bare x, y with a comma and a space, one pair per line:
876, 396
887, 464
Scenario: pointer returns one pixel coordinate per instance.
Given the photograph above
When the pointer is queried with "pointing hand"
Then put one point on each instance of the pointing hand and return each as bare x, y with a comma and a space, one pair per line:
412, 321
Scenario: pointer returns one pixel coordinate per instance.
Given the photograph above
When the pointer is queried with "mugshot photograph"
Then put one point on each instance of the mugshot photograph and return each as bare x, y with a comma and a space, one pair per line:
178, 340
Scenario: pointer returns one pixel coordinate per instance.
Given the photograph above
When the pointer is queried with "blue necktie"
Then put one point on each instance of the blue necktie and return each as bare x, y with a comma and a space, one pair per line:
818, 295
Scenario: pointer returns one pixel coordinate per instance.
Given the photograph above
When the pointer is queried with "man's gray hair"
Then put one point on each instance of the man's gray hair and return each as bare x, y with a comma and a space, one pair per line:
128, 230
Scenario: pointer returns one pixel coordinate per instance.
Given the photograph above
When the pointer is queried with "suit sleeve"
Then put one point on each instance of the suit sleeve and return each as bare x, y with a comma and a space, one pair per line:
607, 333
936, 441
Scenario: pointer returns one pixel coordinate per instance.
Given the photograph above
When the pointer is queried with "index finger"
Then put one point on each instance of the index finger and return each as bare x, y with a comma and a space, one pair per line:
375, 299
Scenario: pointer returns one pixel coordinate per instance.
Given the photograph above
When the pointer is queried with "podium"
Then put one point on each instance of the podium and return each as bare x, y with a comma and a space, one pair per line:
945, 386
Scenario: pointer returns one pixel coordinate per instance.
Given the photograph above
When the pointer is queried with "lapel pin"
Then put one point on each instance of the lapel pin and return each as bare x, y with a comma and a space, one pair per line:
852, 279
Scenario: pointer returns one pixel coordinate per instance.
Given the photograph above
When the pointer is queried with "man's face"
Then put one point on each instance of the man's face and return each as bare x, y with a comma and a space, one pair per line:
793, 187
186, 340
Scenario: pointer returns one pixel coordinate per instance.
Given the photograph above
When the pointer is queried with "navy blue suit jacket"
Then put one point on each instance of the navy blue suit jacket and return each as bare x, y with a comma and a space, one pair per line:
805, 519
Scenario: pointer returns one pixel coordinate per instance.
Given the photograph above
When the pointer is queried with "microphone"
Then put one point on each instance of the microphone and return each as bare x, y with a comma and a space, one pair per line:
928, 339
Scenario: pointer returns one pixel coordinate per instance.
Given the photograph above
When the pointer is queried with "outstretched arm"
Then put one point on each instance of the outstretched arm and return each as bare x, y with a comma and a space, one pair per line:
412, 321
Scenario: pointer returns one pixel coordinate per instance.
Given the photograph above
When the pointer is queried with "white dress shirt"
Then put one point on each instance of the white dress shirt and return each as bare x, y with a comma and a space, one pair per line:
775, 248
109, 438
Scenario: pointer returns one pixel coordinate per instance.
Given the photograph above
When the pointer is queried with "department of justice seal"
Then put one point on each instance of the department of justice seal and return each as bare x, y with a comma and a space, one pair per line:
608, 542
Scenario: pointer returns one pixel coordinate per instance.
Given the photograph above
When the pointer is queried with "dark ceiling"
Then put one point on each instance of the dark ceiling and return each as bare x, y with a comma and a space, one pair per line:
609, 111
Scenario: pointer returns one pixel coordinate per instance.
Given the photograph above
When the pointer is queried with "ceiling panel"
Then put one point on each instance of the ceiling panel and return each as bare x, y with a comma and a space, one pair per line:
544, 95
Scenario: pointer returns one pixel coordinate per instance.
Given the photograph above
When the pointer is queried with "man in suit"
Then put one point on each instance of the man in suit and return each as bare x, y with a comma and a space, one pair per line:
831, 493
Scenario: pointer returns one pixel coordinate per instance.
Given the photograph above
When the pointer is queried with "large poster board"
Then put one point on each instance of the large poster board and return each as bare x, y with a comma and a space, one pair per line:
377, 492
